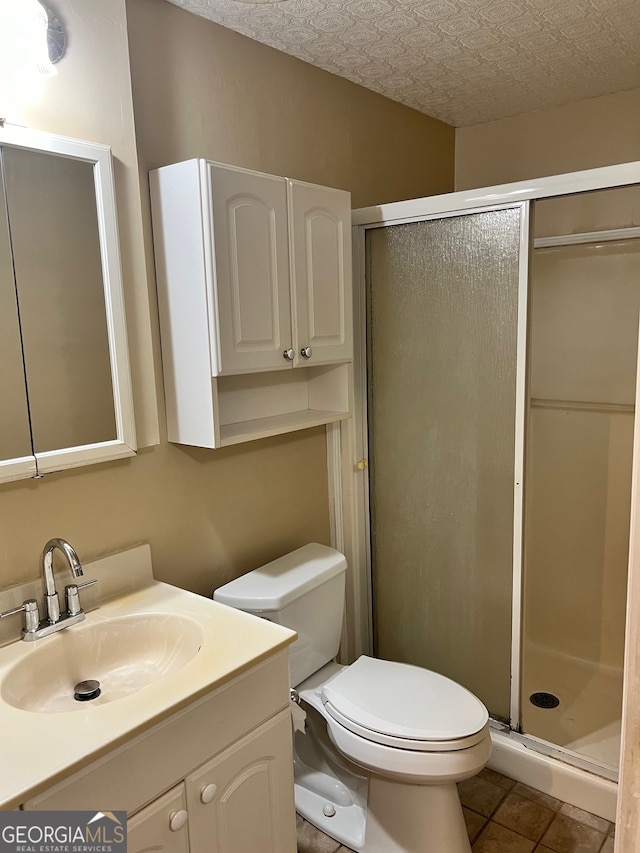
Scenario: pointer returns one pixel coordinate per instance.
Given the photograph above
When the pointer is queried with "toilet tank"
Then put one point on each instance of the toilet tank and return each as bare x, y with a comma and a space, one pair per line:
304, 591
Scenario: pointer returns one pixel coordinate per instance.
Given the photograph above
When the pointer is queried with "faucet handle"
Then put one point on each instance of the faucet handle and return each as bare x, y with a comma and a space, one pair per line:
31, 615
73, 599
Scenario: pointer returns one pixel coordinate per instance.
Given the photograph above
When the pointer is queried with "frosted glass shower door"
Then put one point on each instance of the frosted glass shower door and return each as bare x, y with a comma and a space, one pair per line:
442, 362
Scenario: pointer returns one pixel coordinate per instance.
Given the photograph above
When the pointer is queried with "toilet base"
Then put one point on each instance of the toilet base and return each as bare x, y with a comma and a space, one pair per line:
346, 825
400, 818
406, 818
374, 813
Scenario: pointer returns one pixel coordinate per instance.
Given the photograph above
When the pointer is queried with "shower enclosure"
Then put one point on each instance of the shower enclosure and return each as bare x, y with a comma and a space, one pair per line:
585, 303
495, 409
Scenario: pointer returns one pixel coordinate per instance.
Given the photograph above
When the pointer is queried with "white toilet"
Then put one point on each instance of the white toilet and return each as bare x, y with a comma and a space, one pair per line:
383, 745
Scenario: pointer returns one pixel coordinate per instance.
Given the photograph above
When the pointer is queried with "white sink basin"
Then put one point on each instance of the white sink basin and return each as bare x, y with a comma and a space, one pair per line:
125, 654
154, 649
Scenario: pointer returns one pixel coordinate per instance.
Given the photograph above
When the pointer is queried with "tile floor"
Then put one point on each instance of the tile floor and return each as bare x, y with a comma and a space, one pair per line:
504, 816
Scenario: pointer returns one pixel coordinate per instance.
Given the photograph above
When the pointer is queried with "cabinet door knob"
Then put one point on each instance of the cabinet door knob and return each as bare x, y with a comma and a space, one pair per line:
289, 354
208, 793
178, 820
305, 352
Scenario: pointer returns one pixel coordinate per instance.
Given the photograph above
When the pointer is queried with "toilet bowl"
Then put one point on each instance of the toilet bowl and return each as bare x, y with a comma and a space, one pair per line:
384, 743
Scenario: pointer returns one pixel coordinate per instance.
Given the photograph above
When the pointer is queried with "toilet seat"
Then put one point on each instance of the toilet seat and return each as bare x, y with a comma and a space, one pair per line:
412, 765
404, 707
441, 762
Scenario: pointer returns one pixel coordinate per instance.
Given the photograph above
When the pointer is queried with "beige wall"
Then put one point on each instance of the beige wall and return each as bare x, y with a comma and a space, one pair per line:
628, 816
597, 132
592, 133
199, 90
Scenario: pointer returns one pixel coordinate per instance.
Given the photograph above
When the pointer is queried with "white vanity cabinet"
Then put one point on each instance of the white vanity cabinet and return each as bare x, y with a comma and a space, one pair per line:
233, 804
163, 825
217, 777
254, 291
235, 801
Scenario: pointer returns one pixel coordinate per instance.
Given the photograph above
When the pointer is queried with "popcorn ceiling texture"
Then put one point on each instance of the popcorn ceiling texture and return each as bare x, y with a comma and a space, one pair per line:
462, 61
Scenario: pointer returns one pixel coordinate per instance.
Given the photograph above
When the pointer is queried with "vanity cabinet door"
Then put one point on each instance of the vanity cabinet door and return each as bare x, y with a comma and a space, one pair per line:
161, 826
242, 801
251, 260
320, 239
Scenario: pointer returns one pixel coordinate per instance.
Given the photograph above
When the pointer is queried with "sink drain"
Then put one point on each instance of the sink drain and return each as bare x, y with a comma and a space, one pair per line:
85, 691
544, 700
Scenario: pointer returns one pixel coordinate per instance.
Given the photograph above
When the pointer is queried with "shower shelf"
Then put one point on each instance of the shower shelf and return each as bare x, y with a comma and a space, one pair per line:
583, 406
604, 236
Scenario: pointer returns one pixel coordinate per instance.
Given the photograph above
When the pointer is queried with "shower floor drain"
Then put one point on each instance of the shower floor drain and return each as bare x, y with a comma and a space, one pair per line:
544, 700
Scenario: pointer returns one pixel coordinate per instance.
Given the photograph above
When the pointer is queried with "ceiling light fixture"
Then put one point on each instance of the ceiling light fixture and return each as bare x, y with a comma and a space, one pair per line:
25, 24
26, 56
56, 37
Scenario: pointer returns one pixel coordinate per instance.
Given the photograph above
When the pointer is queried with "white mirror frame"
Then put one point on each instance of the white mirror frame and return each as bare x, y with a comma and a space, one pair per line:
125, 442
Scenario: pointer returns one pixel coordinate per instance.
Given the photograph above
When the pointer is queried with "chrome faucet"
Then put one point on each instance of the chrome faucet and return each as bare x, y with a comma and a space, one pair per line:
51, 602
54, 620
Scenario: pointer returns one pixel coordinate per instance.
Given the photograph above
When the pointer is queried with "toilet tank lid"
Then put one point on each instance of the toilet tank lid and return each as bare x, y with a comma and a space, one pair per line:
278, 583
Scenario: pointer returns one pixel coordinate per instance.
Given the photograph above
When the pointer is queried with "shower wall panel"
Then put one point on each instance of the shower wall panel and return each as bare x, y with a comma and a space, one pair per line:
597, 210
585, 302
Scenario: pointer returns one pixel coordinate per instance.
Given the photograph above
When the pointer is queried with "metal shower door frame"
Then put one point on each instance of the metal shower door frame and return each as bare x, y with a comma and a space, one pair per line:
521, 338
347, 442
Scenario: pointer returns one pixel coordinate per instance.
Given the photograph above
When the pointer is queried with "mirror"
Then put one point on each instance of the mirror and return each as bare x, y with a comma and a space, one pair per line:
64, 372
15, 437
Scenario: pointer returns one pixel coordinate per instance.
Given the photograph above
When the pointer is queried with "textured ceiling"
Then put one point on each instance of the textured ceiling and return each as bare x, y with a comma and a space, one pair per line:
462, 61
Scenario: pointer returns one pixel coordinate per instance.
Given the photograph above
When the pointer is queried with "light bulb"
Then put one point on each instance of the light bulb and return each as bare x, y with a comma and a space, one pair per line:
24, 59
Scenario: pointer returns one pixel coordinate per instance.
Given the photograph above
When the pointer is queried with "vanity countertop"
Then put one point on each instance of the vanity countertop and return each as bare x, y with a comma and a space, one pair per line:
40, 747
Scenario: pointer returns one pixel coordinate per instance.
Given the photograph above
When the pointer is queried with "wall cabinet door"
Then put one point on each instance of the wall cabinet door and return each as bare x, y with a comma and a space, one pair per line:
282, 278
161, 826
251, 262
242, 801
320, 241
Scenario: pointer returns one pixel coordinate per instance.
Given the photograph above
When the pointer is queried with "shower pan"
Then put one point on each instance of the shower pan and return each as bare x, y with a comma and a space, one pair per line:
495, 390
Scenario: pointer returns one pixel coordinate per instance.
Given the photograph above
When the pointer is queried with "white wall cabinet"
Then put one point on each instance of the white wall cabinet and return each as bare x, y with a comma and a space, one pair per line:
215, 778
254, 291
